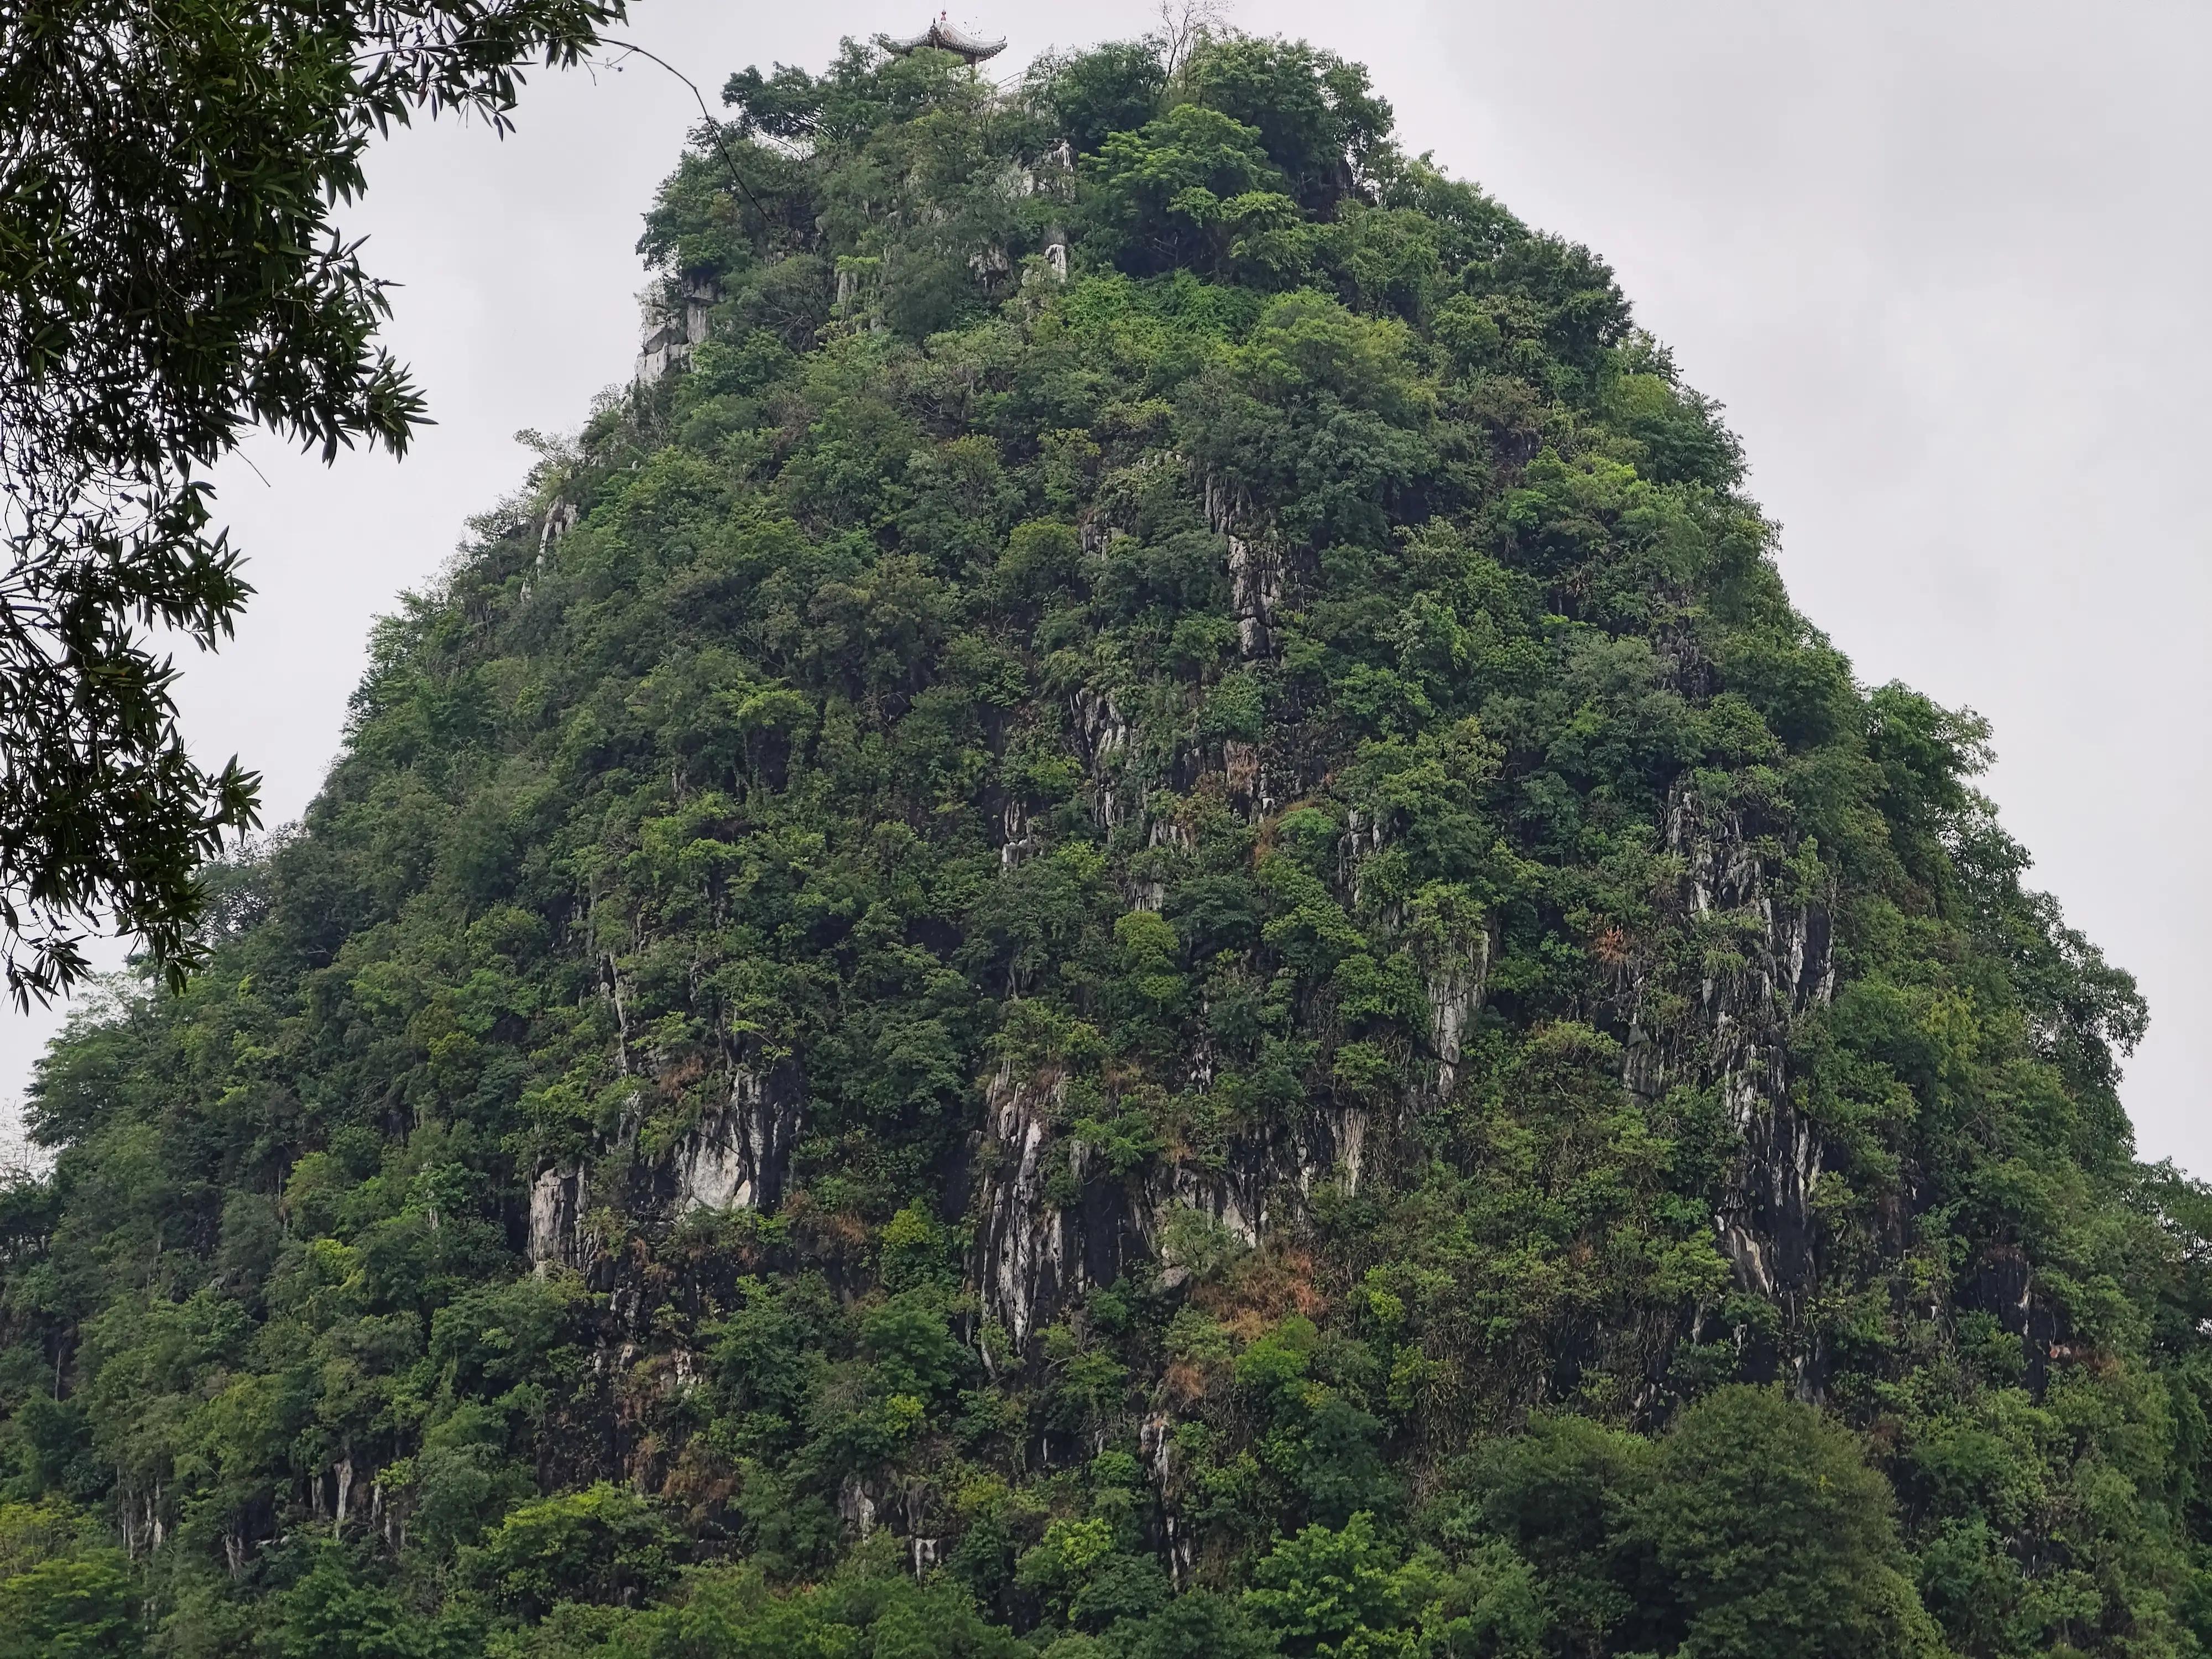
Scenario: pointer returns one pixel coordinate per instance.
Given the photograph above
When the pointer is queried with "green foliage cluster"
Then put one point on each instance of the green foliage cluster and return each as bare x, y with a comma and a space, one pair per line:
1274, 773
171, 274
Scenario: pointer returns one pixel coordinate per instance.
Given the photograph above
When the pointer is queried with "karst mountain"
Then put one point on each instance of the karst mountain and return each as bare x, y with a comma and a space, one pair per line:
1127, 925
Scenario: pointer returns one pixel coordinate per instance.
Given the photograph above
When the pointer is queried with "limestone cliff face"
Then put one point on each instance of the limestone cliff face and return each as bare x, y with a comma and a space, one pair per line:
1768, 962
1049, 1221
556, 1237
1055, 1224
737, 1157
1052, 1222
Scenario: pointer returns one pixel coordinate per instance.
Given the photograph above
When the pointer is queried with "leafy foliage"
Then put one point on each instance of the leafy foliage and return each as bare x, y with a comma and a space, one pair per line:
170, 274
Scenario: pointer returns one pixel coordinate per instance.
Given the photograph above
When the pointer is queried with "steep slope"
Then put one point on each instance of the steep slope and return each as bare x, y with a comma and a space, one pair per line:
1130, 922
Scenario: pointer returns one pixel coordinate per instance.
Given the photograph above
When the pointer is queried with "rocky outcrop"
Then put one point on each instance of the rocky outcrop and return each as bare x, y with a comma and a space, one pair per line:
673, 325
1151, 892
1055, 177
1104, 730
1258, 577
1457, 974
1770, 961
556, 1211
1022, 1258
1054, 1223
1020, 842
1106, 739
559, 519
1155, 1444
738, 1156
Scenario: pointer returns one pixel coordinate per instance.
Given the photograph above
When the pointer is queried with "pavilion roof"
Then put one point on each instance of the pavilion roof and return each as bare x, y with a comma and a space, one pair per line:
941, 35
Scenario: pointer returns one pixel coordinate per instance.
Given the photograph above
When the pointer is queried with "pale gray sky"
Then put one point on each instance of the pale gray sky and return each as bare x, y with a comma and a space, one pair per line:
1943, 263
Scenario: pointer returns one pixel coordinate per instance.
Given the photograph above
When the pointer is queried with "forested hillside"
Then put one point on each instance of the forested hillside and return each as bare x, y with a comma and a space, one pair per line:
1131, 927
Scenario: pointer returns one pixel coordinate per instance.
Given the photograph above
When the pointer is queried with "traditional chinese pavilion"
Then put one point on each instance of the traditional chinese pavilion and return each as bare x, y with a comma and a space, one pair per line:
944, 37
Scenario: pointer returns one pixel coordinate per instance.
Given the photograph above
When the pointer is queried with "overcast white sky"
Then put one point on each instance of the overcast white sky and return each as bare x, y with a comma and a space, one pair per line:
1944, 265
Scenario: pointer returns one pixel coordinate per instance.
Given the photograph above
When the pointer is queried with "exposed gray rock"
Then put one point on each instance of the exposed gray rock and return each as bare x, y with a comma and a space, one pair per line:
856, 1507
1023, 1259
1105, 733
559, 519
1256, 585
1038, 1249
1107, 738
1740, 1044
672, 325
739, 1155
556, 1204
1258, 577
1019, 842
1458, 975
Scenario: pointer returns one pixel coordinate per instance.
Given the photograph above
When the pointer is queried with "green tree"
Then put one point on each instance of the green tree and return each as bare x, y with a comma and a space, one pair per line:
1769, 1537
171, 274
1177, 189
64, 1593
1332, 1595
602, 1544
334, 1612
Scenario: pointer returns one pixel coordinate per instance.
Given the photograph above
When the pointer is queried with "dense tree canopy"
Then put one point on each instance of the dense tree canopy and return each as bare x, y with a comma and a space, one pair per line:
1180, 961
